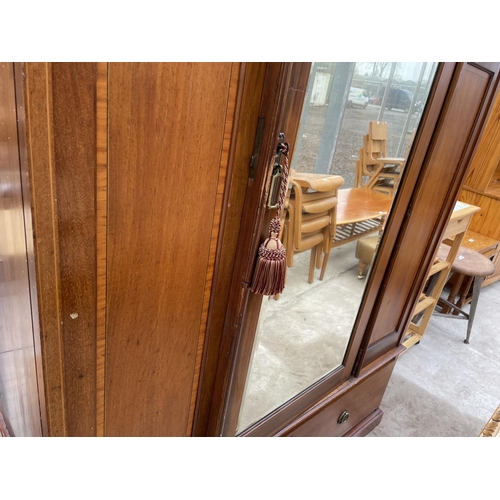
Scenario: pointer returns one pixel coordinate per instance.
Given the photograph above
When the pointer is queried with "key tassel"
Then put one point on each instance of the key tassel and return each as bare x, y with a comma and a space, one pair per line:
270, 269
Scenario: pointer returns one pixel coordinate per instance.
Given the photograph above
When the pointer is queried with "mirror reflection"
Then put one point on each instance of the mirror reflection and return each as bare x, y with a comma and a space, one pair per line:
357, 125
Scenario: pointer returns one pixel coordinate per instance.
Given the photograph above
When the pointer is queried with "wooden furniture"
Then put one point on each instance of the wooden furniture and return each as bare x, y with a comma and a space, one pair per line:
459, 285
311, 219
373, 168
3, 427
125, 259
164, 333
360, 212
471, 264
482, 186
492, 427
438, 274
346, 400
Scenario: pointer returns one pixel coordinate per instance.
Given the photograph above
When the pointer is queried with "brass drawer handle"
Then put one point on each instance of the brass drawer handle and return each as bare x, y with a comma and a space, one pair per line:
343, 417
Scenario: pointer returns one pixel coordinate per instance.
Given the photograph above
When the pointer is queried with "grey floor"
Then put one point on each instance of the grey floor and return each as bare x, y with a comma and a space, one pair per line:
302, 336
443, 387
440, 387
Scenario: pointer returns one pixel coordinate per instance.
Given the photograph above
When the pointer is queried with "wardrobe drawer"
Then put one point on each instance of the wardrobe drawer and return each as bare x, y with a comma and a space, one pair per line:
342, 414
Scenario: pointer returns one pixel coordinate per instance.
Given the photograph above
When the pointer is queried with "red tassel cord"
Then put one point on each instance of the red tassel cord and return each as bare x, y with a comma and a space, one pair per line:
270, 269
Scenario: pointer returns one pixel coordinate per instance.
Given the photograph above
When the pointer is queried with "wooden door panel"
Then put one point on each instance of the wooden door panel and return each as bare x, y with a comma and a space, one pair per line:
166, 125
242, 144
61, 134
453, 118
281, 84
443, 172
73, 104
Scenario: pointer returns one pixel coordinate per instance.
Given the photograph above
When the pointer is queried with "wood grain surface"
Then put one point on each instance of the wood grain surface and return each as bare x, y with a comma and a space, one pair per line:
487, 156
62, 152
166, 134
492, 427
101, 238
357, 401
74, 131
19, 76
231, 373
38, 84
487, 221
216, 227
358, 349
250, 89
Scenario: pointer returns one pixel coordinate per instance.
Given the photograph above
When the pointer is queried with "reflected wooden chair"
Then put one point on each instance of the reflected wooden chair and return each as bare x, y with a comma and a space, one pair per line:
374, 169
311, 219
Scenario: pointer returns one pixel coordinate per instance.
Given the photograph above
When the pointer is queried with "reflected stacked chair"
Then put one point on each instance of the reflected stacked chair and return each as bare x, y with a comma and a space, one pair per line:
373, 168
376, 171
311, 219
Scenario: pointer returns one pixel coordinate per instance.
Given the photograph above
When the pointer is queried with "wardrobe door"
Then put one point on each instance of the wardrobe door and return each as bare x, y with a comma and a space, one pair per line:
303, 89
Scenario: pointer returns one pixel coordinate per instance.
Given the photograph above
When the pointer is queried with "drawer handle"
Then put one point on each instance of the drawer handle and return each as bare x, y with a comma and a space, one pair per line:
343, 417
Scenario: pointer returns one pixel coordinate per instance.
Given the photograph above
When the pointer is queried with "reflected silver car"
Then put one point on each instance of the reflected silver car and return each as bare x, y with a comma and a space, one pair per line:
357, 97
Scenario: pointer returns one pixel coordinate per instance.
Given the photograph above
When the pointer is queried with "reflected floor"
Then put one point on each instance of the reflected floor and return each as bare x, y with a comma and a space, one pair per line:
303, 335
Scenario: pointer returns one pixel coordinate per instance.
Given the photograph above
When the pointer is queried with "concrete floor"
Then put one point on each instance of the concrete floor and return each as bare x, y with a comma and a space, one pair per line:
440, 387
443, 387
302, 336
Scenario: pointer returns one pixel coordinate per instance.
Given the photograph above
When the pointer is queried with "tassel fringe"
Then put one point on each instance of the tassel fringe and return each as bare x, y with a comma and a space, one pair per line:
270, 269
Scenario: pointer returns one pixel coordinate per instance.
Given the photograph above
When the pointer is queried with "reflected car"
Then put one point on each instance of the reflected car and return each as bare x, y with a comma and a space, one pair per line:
399, 99
357, 97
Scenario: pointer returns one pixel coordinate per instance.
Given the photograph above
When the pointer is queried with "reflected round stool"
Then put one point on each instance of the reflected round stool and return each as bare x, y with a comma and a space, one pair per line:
365, 250
474, 265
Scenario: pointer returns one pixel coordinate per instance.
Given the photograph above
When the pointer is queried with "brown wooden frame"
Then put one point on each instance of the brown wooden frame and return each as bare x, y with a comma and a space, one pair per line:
246, 118
28, 220
276, 76
244, 307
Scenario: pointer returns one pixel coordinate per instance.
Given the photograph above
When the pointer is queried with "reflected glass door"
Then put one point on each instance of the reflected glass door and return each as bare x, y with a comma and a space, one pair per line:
356, 129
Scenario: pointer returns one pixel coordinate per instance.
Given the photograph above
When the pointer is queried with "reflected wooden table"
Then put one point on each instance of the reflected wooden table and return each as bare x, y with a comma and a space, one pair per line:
360, 211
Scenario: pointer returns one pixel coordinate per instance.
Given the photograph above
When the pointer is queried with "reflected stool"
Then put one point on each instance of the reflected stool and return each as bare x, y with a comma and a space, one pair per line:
365, 250
474, 265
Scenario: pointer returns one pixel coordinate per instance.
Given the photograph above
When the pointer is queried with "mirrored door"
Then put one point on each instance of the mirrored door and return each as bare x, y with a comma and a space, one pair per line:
356, 129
